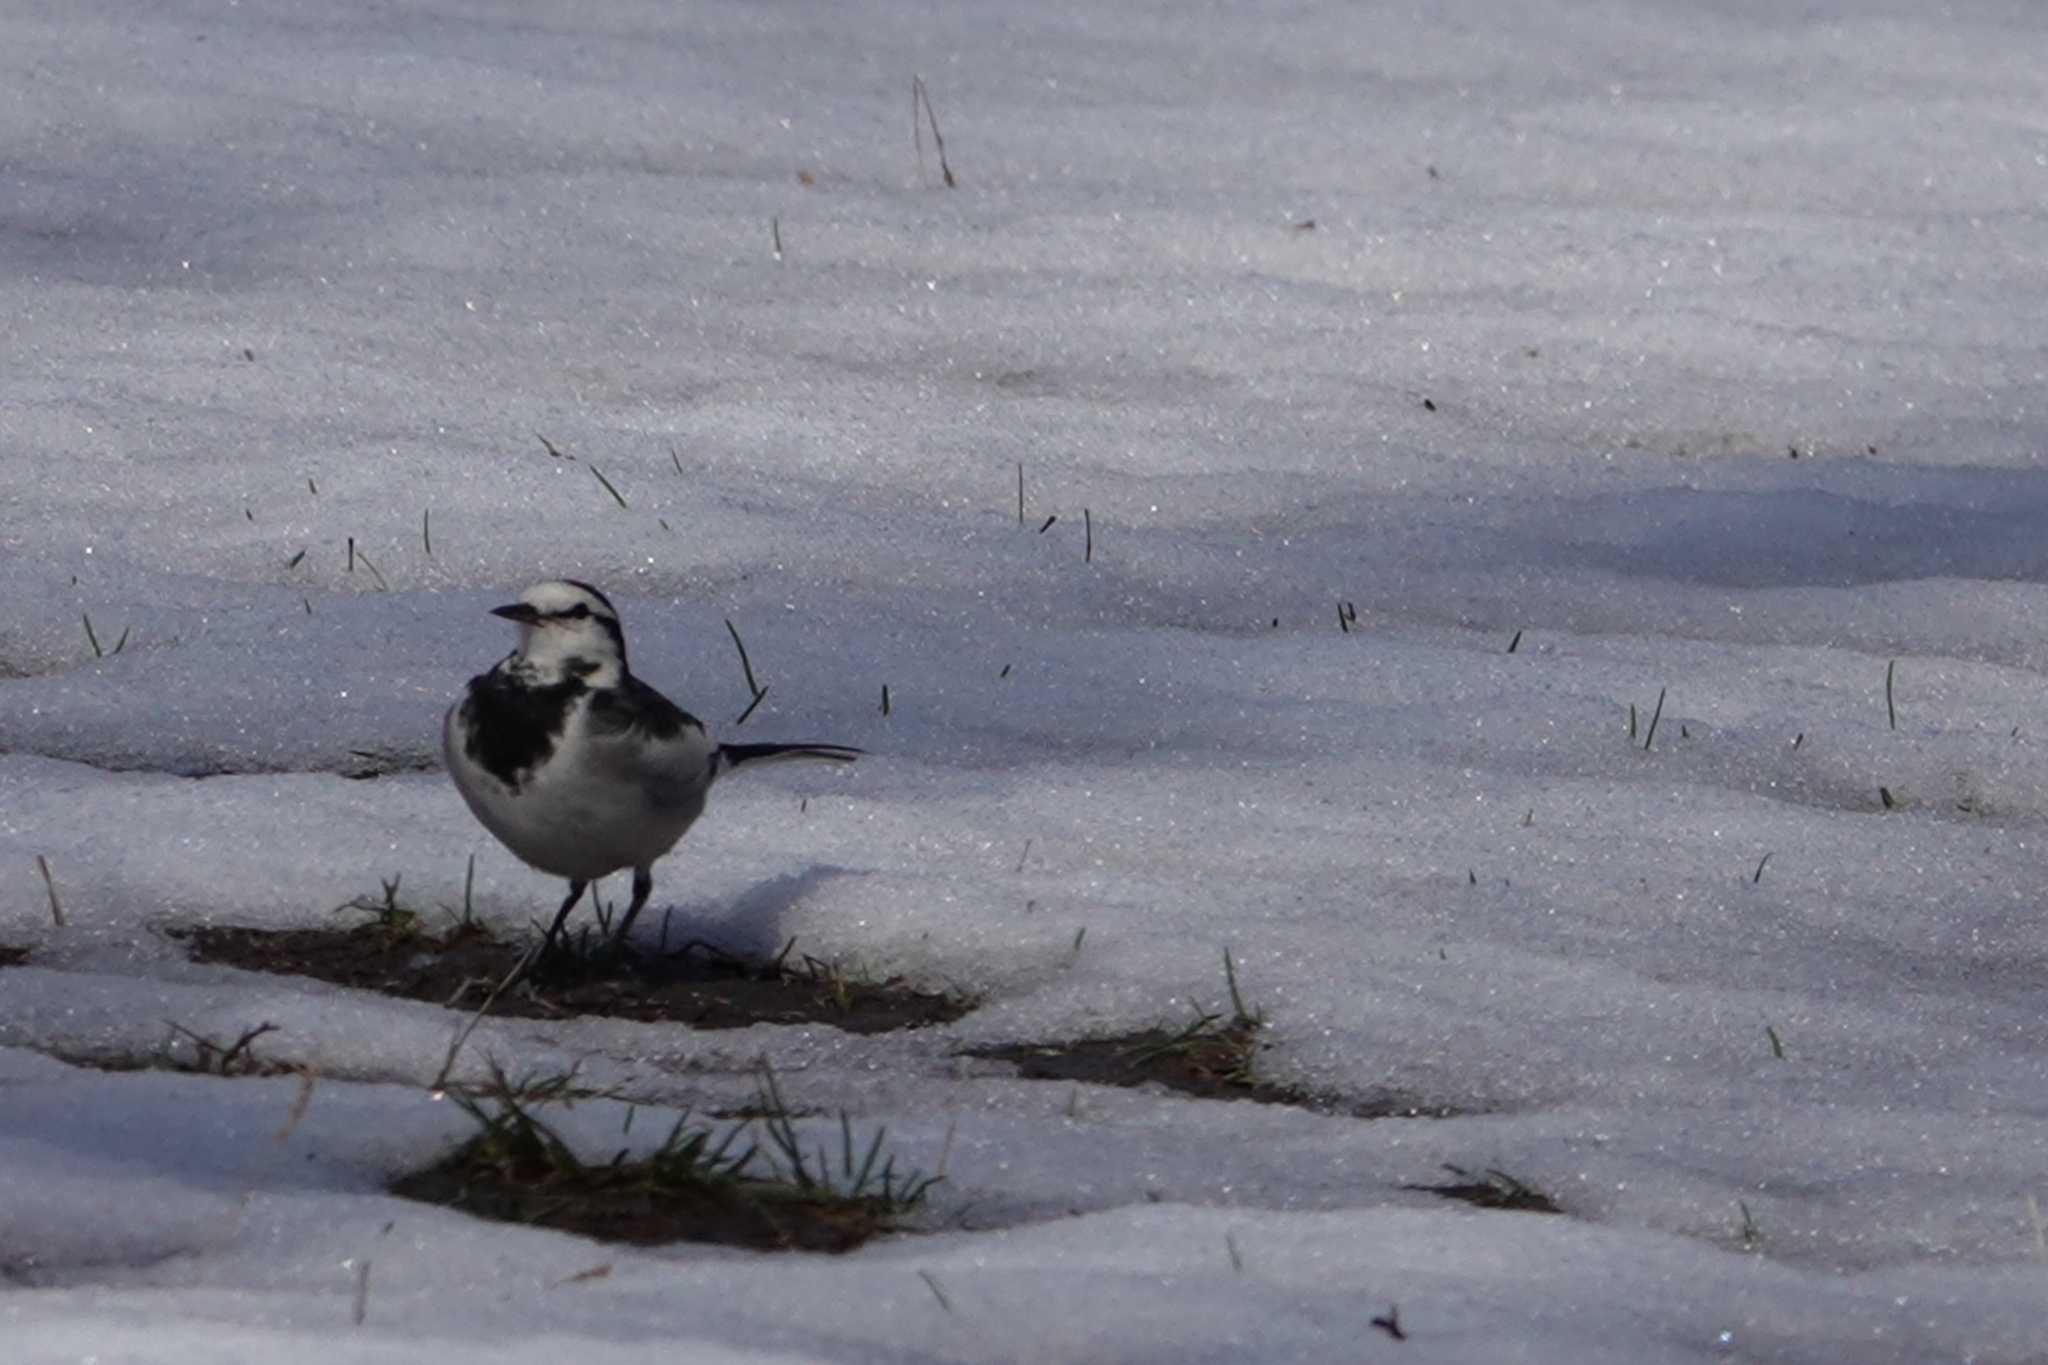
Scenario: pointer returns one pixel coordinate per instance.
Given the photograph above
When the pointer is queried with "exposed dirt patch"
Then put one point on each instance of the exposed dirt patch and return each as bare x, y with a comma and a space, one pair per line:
702, 988
12, 957
1491, 1189
1212, 1063
620, 1204
753, 1184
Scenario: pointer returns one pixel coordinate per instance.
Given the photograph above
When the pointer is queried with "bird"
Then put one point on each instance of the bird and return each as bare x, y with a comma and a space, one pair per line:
576, 765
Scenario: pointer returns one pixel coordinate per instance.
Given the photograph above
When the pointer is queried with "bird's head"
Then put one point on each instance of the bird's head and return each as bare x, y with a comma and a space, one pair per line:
568, 629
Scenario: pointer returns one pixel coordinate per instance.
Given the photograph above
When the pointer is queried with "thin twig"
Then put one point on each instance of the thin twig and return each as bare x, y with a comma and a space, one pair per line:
211, 1056
918, 94
932, 1283
462, 1035
745, 666
241, 1045
742, 718
1650, 735
607, 485
50, 885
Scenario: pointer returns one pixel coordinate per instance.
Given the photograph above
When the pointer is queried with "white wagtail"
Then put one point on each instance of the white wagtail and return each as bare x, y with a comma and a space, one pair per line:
576, 765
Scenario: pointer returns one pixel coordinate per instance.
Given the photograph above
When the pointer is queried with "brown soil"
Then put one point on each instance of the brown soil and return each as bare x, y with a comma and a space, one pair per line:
703, 988
1212, 1064
615, 1204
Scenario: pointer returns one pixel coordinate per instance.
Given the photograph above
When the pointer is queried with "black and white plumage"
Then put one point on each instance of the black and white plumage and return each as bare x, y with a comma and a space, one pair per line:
576, 765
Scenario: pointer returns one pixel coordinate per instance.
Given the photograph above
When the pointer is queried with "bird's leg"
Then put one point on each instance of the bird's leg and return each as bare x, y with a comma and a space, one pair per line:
575, 894
643, 887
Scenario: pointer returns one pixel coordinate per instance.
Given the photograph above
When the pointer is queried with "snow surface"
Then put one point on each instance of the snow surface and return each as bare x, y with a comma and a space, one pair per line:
1699, 344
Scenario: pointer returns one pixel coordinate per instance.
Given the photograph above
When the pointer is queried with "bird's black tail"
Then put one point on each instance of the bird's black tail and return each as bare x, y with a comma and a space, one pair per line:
733, 755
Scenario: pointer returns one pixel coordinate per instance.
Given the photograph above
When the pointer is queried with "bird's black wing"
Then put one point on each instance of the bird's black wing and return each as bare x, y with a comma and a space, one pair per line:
634, 708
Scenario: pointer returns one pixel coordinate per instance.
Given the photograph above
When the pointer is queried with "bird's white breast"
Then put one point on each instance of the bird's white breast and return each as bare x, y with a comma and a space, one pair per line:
595, 803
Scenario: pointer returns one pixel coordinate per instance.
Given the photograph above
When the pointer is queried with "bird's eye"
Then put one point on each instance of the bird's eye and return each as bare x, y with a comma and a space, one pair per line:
577, 612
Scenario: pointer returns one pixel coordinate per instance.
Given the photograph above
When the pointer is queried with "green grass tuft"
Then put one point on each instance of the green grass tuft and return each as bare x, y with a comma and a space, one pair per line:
751, 1183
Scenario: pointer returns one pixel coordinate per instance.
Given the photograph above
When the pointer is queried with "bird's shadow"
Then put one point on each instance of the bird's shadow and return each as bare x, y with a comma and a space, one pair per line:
752, 924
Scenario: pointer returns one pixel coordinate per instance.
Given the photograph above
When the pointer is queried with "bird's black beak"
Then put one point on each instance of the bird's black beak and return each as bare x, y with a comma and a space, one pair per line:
517, 611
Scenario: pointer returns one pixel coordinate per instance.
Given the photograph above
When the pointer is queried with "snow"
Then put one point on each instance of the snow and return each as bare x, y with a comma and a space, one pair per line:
1698, 344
